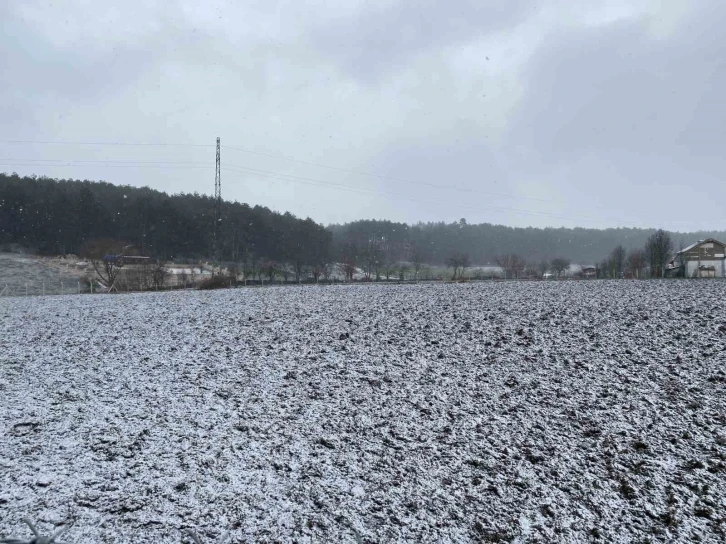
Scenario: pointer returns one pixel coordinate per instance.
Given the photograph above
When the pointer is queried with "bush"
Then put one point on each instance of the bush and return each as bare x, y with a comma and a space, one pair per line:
215, 282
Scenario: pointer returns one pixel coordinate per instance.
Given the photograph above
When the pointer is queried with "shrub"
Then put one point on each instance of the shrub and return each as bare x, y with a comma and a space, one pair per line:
215, 282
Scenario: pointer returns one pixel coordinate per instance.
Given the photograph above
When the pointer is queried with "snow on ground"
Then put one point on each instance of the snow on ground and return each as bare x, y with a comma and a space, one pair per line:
524, 412
36, 274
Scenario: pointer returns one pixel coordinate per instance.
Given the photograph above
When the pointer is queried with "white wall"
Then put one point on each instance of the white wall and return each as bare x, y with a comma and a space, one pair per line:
692, 267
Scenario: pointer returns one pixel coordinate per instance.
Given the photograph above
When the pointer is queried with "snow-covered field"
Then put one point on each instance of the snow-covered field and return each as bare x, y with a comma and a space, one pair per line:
527, 412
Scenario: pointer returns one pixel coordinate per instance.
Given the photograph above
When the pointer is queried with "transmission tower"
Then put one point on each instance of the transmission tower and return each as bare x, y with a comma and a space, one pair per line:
217, 212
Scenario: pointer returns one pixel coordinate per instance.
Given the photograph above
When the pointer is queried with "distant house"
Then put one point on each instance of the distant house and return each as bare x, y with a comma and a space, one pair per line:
121, 260
704, 259
133, 259
589, 272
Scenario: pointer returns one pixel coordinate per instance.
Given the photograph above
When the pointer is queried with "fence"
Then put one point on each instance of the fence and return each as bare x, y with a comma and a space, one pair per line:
26, 289
79, 287
35, 288
128, 281
53, 539
49, 288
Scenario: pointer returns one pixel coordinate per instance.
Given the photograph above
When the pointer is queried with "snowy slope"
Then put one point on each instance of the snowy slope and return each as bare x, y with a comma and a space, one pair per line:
527, 412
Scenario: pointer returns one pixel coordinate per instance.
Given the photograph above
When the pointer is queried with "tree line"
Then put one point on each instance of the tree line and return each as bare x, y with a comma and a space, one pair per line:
437, 243
647, 261
54, 216
59, 217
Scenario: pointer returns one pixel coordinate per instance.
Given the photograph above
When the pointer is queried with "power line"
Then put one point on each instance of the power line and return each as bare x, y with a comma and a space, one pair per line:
172, 164
362, 190
308, 163
108, 162
217, 207
101, 161
267, 174
391, 178
130, 144
67, 164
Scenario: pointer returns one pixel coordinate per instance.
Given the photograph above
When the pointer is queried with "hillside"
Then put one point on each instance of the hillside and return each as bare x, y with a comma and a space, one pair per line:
52, 216
438, 241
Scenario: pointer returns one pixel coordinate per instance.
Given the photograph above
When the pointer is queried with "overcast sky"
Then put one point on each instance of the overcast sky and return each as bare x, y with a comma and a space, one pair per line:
597, 113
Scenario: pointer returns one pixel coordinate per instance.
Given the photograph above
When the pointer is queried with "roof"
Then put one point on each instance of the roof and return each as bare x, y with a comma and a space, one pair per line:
685, 249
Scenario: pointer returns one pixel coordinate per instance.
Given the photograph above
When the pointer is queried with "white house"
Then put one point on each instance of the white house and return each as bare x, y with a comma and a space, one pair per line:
704, 259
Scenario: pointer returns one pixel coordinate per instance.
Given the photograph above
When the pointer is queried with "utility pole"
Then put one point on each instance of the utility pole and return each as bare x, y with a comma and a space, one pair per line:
217, 242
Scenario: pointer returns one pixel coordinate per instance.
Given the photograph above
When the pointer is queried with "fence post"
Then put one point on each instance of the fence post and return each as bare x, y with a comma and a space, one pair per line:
43, 288
61, 288
26, 288
79, 287
90, 283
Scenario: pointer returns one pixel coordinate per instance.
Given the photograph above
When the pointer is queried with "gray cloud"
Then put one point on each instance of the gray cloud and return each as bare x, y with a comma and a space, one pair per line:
381, 38
616, 87
631, 116
579, 112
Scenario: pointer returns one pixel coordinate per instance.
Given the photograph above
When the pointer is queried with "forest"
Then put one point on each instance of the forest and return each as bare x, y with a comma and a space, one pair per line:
436, 243
58, 217
51, 216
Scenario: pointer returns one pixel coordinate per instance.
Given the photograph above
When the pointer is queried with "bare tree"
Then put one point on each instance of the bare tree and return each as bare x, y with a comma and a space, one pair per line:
348, 261
464, 263
601, 269
145, 274
327, 270
158, 275
459, 262
543, 267
389, 269
183, 278
401, 269
347, 270
658, 249
233, 272
636, 261
559, 265
511, 263
269, 268
617, 261
368, 257
317, 271
378, 268
299, 268
259, 270
531, 270
250, 266
416, 263
453, 262
285, 271
387, 265
106, 257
